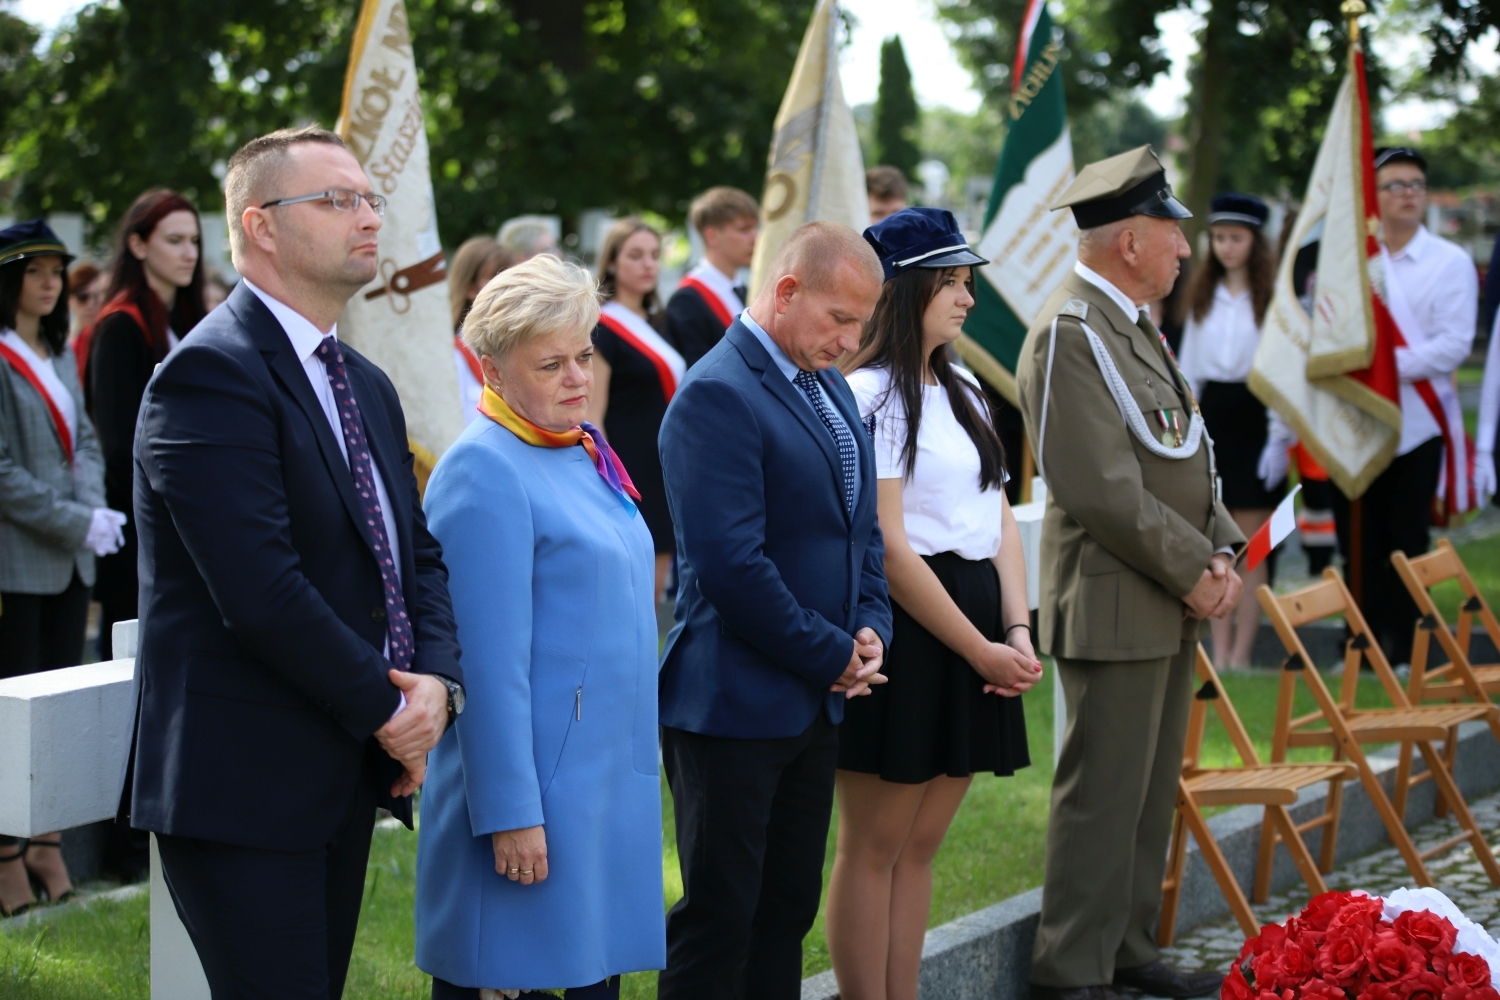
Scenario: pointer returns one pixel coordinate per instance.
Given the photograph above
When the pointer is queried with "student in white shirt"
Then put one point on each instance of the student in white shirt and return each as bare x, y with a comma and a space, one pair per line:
1226, 302
53, 518
1440, 286
961, 650
474, 263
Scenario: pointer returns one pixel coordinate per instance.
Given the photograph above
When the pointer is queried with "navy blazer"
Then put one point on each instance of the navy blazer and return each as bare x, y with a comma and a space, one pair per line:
262, 610
774, 578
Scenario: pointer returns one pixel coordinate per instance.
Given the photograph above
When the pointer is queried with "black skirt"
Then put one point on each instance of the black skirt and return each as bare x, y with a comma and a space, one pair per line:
1236, 421
933, 717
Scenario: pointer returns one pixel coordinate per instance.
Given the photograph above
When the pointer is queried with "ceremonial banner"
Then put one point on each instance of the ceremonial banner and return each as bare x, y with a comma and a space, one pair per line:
1332, 375
815, 171
400, 320
1030, 248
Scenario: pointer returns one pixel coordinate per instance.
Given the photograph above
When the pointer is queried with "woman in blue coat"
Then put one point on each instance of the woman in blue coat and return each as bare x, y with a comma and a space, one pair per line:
539, 863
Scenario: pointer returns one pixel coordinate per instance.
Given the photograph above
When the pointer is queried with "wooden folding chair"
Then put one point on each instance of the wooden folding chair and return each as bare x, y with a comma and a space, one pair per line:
1350, 727
1274, 786
1459, 678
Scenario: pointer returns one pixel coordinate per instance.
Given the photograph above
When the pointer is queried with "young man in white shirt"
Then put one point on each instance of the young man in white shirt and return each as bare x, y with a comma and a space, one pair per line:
709, 299
1440, 286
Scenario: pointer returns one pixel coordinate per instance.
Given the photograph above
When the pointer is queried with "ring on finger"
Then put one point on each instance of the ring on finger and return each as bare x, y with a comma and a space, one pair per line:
512, 871
527, 871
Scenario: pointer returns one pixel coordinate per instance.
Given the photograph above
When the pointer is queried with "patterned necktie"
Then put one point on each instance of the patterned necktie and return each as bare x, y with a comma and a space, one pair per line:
848, 451
398, 625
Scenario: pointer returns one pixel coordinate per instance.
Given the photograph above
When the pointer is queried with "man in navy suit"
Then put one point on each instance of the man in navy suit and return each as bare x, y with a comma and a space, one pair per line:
782, 614
297, 648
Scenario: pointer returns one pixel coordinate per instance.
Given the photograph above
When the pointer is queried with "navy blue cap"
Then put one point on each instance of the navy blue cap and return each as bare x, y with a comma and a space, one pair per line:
1399, 154
1244, 209
920, 237
33, 238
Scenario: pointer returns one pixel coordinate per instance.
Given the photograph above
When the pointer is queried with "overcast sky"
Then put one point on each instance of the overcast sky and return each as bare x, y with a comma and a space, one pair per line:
940, 80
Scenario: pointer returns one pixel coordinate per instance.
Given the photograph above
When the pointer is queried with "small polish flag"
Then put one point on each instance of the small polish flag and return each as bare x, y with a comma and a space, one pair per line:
1282, 522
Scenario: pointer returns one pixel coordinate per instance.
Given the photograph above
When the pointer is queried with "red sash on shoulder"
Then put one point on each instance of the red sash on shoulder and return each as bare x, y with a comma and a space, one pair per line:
58, 423
640, 335
708, 296
469, 359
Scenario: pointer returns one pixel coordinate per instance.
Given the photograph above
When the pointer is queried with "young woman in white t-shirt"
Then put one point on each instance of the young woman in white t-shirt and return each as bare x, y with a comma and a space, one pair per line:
961, 650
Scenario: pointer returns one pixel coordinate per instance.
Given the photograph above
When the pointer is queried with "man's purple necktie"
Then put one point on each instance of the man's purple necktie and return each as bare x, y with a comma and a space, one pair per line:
360, 465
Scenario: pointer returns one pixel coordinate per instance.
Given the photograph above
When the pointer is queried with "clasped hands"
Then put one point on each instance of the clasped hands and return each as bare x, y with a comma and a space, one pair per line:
1217, 591
415, 729
864, 665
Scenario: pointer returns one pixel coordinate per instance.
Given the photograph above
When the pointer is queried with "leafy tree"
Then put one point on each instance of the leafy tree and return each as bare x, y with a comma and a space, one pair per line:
17, 64
1262, 83
897, 118
532, 105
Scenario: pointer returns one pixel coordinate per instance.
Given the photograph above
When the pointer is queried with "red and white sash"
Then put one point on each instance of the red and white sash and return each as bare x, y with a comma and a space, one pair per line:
717, 290
469, 359
1455, 481
17, 362
639, 334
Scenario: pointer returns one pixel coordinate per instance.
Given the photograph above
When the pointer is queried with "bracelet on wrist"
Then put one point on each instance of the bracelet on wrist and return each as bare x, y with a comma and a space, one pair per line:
1017, 625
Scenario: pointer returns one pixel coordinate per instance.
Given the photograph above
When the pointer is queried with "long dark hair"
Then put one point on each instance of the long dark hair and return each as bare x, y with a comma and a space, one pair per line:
128, 273
54, 325
1206, 277
893, 340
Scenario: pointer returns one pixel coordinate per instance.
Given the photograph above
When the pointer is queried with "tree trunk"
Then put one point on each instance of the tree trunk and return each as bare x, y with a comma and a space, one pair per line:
1207, 139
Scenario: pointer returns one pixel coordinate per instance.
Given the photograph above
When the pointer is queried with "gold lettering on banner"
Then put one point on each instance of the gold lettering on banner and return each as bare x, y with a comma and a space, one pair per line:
1037, 212
1036, 249
399, 37
1036, 78
389, 166
1045, 275
367, 115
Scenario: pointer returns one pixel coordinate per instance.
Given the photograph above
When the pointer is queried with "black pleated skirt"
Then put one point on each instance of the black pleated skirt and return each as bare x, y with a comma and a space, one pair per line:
1236, 420
933, 717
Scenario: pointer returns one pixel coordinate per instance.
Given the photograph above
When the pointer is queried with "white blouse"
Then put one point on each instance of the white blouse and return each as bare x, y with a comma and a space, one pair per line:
1222, 347
945, 510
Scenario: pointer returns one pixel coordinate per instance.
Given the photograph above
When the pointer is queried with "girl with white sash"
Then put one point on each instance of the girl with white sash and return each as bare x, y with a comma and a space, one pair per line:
636, 372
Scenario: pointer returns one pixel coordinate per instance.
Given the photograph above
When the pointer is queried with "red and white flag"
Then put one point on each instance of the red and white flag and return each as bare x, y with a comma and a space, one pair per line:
1283, 522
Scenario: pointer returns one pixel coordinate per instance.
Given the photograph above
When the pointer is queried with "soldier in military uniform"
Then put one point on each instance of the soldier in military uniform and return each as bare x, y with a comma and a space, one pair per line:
1137, 550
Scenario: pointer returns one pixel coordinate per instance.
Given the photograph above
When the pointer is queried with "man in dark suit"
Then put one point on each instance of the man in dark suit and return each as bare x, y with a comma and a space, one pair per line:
297, 647
782, 613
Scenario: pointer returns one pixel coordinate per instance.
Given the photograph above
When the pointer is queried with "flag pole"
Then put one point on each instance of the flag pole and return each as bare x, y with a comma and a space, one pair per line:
1353, 10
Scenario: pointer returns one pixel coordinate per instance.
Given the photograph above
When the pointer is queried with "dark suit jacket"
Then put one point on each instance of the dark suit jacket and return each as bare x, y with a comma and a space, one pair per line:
262, 609
774, 579
692, 327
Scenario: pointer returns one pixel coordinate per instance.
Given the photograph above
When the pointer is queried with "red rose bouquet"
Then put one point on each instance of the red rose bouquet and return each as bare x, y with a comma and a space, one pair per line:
1413, 945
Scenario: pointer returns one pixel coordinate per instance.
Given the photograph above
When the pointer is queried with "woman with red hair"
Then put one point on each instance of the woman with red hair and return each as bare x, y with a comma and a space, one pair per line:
155, 297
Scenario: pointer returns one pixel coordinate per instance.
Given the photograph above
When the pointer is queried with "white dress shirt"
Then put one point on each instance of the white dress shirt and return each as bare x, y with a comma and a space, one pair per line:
1221, 348
1441, 289
789, 368
47, 375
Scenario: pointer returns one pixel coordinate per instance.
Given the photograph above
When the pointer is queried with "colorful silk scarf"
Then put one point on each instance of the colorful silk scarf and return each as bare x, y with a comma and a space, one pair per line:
606, 462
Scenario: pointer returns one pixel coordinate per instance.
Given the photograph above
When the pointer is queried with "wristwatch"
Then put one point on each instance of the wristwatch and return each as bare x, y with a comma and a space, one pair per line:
455, 697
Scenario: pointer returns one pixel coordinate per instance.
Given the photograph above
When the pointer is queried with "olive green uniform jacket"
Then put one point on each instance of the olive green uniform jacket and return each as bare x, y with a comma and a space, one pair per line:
1126, 533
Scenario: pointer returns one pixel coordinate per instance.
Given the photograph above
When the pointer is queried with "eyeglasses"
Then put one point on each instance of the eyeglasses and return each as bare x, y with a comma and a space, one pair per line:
1404, 187
340, 198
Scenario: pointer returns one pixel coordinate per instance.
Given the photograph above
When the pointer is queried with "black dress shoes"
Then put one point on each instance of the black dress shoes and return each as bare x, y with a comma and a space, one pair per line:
1161, 980
1073, 993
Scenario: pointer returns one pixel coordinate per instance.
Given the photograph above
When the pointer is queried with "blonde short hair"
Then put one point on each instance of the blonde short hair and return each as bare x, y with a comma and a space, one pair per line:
541, 295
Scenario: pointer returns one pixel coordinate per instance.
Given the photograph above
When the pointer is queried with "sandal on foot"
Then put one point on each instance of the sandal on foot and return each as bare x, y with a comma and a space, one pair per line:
38, 884
22, 907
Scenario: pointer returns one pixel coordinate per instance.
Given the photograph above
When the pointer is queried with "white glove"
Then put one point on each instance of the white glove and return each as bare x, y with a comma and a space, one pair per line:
1484, 474
106, 533
1273, 464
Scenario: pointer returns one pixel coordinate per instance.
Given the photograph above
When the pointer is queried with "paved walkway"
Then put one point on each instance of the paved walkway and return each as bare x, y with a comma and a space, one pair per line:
1456, 873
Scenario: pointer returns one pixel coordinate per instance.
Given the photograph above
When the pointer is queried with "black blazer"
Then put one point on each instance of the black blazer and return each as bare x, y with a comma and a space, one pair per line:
692, 327
262, 615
